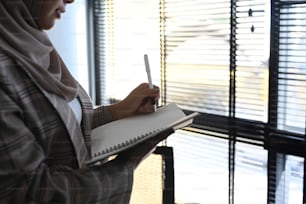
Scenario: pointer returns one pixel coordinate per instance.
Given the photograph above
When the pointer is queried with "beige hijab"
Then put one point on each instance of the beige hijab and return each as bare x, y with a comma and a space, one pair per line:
31, 48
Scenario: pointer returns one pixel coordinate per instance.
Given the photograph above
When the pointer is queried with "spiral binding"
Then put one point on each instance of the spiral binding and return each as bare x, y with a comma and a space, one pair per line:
126, 143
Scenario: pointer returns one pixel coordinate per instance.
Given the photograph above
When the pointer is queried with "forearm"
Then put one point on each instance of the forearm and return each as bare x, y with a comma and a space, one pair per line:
105, 114
135, 103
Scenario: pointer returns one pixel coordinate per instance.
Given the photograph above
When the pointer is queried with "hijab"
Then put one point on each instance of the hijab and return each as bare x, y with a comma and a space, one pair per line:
31, 48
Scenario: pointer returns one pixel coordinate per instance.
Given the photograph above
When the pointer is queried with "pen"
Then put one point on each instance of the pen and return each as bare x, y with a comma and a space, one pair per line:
147, 65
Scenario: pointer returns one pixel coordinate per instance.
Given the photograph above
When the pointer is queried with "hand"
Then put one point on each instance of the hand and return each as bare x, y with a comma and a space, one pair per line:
137, 102
138, 153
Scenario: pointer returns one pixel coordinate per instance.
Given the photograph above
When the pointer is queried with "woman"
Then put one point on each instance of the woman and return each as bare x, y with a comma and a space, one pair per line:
46, 118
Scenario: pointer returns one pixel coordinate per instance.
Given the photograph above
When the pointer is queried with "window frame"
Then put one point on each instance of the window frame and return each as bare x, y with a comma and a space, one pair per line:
263, 134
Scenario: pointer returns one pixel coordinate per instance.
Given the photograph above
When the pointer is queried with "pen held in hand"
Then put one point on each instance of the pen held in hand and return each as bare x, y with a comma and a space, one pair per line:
150, 100
147, 66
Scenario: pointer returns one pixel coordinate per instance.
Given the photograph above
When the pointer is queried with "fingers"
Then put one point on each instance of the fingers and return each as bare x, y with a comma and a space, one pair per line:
151, 92
148, 106
150, 98
140, 100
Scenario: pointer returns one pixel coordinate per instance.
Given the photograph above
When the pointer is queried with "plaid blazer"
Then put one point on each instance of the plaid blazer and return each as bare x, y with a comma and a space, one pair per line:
42, 147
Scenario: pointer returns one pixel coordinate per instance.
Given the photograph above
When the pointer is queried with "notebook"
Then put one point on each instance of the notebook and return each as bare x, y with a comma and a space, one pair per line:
116, 136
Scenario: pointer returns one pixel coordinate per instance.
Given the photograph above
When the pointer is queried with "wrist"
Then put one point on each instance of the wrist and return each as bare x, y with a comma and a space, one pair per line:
117, 111
114, 111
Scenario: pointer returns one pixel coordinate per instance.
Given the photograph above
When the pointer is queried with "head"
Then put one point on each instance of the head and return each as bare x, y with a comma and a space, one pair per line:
22, 38
46, 12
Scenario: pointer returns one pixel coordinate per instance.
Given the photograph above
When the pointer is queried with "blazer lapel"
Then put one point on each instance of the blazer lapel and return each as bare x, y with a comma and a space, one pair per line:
87, 116
73, 128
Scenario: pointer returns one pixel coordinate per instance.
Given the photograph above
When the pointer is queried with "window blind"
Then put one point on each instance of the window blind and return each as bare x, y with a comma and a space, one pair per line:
222, 59
288, 75
194, 38
197, 54
98, 41
207, 71
252, 57
292, 67
286, 123
197, 59
123, 36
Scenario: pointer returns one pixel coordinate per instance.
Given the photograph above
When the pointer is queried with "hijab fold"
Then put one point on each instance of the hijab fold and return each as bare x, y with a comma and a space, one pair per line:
31, 48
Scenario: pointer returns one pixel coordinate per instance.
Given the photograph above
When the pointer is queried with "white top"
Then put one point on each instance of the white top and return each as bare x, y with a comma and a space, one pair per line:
77, 109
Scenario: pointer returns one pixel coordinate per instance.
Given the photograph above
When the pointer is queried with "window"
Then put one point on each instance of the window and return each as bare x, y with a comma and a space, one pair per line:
199, 176
126, 30
241, 64
292, 67
286, 122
